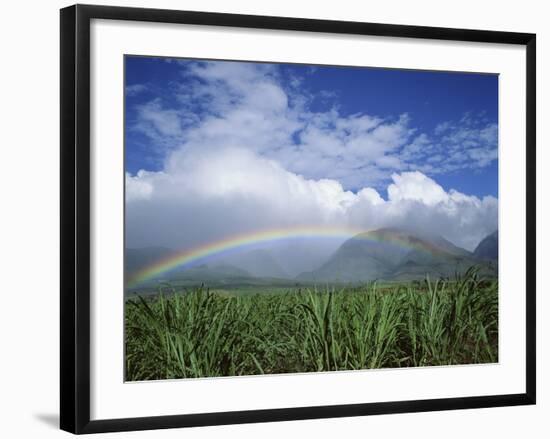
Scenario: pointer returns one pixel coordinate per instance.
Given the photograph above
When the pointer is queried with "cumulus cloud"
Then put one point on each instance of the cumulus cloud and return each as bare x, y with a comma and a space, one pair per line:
216, 193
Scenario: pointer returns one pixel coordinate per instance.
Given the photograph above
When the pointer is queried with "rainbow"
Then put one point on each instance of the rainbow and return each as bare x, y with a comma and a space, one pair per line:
194, 254
202, 252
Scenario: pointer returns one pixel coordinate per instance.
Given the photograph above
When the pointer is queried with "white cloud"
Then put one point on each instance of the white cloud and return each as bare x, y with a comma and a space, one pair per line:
206, 195
134, 89
140, 186
164, 122
417, 187
470, 144
251, 106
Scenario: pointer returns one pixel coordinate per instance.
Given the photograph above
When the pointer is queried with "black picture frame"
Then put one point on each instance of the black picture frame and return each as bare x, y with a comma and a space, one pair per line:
75, 218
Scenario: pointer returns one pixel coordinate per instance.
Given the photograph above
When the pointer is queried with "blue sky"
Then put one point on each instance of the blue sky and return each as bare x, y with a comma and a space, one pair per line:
465, 103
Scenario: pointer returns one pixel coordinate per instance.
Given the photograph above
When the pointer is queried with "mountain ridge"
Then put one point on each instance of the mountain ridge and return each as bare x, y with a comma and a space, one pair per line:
393, 254
487, 249
386, 254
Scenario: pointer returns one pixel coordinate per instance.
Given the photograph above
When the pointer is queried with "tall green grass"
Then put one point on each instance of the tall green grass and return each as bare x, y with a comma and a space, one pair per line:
204, 334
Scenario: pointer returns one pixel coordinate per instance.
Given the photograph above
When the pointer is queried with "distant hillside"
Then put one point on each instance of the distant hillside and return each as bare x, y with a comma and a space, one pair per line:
392, 254
487, 249
255, 263
384, 254
206, 274
299, 255
258, 263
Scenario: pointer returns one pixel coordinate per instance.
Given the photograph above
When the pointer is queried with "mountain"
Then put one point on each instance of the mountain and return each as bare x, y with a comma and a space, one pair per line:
258, 263
205, 273
487, 249
306, 254
392, 254
385, 254
138, 258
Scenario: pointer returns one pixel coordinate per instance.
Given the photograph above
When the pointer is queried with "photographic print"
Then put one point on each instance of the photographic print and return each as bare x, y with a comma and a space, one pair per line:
291, 218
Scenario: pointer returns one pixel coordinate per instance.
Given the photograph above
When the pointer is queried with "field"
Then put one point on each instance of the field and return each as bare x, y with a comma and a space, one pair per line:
201, 332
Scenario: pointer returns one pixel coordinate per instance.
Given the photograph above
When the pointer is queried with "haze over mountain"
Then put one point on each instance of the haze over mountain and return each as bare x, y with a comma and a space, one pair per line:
258, 262
206, 274
275, 260
386, 254
137, 258
394, 254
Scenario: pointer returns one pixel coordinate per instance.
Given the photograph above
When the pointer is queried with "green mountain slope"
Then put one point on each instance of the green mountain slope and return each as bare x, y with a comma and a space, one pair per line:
487, 249
392, 254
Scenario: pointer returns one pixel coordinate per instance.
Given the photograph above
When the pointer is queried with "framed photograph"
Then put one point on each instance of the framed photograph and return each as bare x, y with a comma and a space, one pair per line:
268, 218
